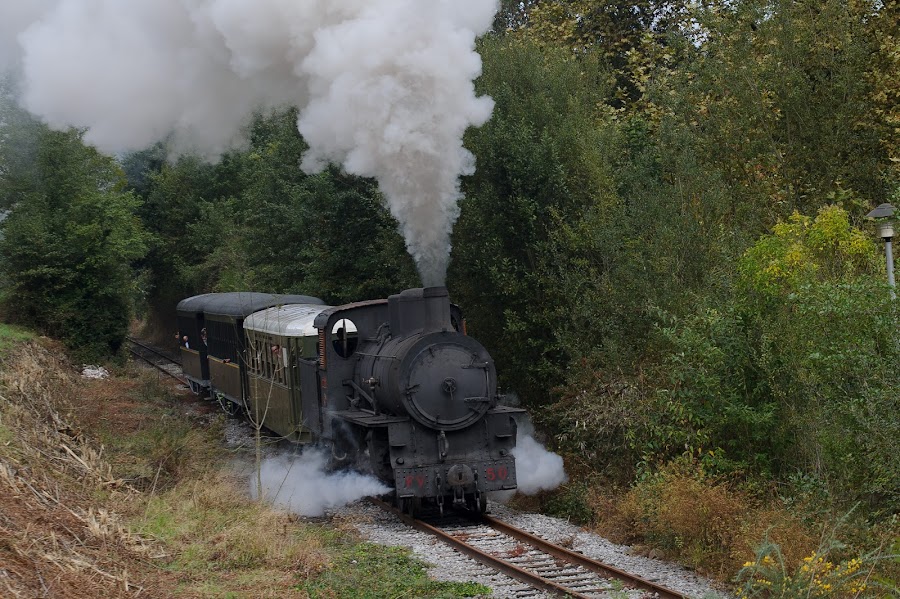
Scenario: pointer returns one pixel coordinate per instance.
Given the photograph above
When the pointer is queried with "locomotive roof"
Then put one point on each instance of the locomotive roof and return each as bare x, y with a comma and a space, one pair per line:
291, 320
240, 304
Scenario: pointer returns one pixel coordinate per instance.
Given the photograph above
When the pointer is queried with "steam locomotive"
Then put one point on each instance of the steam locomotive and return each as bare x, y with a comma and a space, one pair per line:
394, 387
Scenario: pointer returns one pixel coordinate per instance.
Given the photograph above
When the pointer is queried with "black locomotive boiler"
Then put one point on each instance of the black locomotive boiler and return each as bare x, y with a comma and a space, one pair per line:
394, 387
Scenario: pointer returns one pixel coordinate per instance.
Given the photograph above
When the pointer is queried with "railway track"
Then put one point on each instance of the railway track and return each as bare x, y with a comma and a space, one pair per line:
543, 566
159, 360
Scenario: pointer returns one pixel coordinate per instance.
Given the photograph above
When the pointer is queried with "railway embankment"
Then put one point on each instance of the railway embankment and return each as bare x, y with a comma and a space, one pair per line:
122, 487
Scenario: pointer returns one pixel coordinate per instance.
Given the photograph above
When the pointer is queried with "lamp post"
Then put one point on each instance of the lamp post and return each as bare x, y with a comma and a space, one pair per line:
883, 215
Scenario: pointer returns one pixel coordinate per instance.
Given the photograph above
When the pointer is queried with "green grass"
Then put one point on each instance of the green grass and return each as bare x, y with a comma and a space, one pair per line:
12, 335
367, 571
225, 545
166, 447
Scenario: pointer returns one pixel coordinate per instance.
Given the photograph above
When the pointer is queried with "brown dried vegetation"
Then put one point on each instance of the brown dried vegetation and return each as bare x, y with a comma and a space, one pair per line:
57, 541
109, 488
708, 524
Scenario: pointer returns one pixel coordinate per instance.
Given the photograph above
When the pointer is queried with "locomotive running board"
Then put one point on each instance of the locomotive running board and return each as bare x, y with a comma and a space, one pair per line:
369, 420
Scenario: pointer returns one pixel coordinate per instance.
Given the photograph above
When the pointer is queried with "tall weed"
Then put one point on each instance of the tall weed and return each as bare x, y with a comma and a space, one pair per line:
830, 571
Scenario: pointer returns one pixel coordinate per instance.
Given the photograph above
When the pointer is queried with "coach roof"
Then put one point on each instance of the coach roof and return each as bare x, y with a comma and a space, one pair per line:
291, 320
240, 304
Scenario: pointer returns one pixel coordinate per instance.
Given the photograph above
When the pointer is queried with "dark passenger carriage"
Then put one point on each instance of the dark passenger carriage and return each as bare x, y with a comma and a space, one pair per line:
217, 363
191, 324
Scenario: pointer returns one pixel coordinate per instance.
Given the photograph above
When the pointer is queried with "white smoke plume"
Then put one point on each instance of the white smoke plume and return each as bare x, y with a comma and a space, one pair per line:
15, 17
537, 468
301, 485
383, 87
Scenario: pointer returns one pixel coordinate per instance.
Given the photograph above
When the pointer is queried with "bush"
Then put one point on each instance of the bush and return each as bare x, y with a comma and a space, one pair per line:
795, 372
68, 244
826, 572
701, 520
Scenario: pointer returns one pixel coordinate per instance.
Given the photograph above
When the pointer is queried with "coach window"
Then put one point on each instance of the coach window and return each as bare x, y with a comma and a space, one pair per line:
267, 352
344, 338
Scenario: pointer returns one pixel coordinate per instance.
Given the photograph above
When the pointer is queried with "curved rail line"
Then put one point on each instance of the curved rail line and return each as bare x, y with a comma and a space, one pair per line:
555, 569
153, 350
156, 365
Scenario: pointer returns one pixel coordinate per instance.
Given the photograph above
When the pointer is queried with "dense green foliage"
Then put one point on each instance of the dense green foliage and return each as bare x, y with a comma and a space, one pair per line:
69, 239
541, 164
388, 572
701, 289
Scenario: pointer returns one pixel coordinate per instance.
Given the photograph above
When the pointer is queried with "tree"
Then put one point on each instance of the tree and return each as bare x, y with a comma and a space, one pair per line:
254, 220
631, 39
884, 78
173, 199
540, 162
328, 235
776, 96
68, 243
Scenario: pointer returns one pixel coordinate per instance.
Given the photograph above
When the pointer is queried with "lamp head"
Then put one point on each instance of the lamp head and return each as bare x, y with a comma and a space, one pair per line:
883, 211
883, 214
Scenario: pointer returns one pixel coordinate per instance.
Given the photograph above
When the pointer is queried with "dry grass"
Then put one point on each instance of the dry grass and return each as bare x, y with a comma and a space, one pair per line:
702, 522
56, 541
136, 516
221, 538
121, 488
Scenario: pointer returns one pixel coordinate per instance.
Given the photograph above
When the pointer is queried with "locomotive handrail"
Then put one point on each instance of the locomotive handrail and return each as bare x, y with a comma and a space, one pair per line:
365, 395
378, 356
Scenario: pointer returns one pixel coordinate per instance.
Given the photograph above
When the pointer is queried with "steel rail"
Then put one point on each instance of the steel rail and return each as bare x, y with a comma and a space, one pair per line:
487, 559
579, 559
155, 365
153, 350
561, 553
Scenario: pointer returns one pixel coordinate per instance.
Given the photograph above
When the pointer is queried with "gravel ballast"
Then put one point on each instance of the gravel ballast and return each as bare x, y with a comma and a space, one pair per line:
385, 528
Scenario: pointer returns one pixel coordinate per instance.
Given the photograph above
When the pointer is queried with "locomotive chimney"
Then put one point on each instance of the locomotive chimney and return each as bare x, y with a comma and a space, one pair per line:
419, 309
437, 309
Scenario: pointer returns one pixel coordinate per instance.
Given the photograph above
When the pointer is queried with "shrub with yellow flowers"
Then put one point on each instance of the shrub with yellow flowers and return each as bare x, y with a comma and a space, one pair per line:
818, 576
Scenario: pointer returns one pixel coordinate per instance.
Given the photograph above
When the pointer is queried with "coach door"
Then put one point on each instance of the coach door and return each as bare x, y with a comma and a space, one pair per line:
310, 390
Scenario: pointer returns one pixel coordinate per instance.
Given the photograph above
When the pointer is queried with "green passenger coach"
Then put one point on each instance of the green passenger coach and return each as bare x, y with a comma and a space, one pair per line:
212, 340
276, 339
